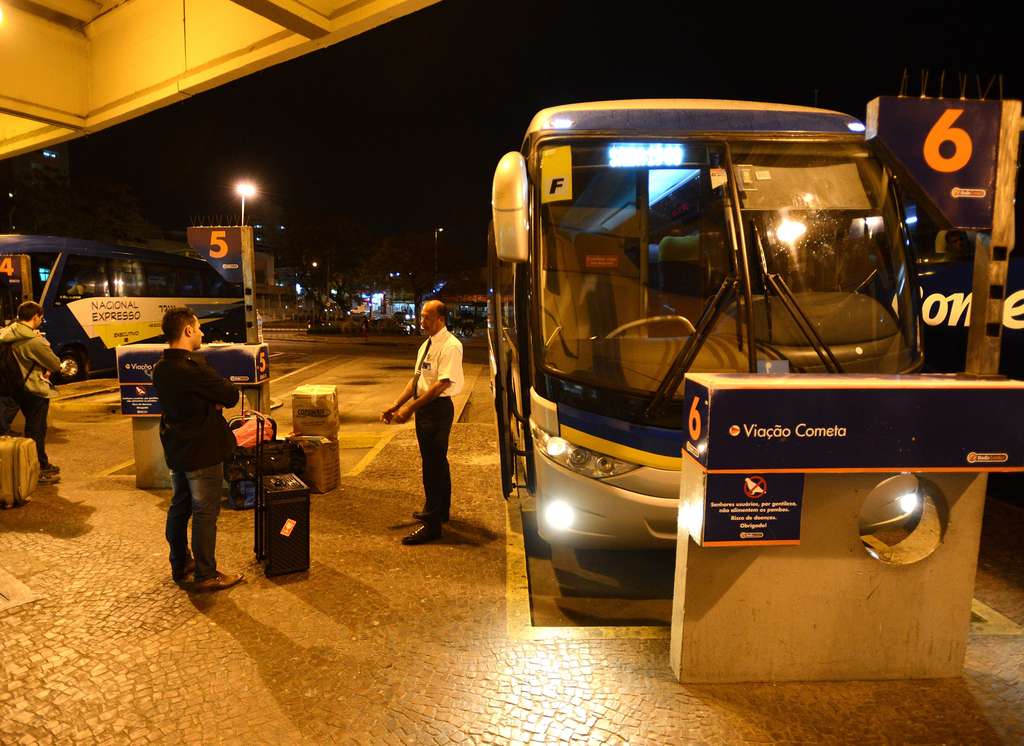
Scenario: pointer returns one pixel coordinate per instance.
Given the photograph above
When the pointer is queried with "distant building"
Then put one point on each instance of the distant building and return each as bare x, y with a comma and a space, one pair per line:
19, 170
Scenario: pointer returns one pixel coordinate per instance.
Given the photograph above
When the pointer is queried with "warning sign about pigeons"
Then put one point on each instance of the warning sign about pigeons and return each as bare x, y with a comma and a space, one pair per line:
753, 510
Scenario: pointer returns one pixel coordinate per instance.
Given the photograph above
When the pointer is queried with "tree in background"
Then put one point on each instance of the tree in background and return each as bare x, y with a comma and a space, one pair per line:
405, 261
48, 203
338, 244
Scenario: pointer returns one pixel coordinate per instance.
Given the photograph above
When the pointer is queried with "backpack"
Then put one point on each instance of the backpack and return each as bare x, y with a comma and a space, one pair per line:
12, 382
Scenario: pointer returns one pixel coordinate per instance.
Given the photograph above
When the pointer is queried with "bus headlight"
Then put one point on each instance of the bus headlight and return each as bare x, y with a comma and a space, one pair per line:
581, 460
559, 515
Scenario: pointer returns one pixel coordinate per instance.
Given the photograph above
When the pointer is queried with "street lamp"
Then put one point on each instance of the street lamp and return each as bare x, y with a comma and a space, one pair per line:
245, 189
436, 232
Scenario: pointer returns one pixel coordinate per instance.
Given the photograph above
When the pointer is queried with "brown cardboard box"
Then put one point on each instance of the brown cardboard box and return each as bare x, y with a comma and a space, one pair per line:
323, 467
315, 410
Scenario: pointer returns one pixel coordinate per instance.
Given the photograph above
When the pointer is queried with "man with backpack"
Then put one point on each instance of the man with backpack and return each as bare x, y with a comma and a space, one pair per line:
26, 363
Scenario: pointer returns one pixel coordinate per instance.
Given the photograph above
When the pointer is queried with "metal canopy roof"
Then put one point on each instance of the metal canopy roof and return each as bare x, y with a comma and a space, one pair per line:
71, 67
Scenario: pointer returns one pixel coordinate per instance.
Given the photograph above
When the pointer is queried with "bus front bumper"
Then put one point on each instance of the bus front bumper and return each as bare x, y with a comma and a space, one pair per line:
603, 516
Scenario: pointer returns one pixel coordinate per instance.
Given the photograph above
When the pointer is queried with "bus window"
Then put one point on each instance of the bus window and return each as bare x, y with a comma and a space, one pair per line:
83, 277
127, 277
162, 280
42, 264
217, 286
190, 283
506, 273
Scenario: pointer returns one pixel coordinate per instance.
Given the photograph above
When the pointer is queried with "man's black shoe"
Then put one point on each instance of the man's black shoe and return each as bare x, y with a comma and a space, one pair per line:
190, 567
421, 515
422, 535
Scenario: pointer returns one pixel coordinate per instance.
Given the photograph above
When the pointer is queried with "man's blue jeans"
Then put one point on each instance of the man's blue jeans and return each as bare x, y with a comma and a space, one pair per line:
35, 409
197, 496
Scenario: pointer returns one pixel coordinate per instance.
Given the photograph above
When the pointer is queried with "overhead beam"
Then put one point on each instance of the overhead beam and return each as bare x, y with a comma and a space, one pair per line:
135, 56
41, 114
81, 11
291, 15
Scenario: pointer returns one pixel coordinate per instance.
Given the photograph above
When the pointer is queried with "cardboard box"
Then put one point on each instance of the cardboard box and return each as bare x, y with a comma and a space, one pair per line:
315, 410
323, 466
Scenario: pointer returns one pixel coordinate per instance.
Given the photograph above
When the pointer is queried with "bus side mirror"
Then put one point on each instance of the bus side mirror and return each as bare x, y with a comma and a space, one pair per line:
510, 206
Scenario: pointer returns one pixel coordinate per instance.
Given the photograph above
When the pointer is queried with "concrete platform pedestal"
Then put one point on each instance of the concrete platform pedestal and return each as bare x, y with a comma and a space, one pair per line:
825, 609
151, 470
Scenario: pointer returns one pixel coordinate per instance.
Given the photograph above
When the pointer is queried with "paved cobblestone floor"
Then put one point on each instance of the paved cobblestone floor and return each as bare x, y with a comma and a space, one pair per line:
382, 643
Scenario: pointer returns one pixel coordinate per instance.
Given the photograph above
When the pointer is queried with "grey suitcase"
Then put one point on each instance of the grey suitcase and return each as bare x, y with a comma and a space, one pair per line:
19, 470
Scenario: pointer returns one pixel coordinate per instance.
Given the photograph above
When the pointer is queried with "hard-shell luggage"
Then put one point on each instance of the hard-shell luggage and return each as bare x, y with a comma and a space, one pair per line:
19, 470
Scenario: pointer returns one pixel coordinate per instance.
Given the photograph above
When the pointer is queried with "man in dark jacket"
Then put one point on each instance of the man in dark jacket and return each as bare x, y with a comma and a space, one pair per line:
196, 442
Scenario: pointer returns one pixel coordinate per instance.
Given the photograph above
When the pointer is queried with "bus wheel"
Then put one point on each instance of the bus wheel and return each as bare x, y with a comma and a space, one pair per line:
73, 366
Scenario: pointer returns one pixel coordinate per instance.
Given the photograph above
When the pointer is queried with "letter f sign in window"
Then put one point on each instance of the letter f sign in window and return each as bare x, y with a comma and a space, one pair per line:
556, 174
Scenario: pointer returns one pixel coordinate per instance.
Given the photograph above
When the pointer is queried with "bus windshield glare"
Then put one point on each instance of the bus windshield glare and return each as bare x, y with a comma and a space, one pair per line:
643, 235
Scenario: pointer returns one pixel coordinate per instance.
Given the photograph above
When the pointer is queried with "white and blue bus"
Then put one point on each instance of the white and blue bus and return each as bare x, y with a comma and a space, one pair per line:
634, 241
945, 271
97, 296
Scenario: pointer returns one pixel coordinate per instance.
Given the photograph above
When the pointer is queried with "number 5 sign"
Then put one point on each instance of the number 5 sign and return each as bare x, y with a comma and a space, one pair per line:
945, 149
221, 246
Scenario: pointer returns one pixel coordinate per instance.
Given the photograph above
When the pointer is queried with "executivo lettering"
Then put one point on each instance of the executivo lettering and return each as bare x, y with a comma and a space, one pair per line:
802, 430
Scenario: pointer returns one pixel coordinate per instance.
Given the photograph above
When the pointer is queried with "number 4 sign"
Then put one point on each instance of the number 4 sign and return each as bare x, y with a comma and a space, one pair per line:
945, 150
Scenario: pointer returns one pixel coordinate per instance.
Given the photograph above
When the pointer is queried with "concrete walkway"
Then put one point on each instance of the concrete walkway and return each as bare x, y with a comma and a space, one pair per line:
380, 643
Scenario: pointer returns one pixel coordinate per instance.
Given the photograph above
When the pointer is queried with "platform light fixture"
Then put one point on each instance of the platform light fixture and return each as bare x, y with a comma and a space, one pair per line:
245, 189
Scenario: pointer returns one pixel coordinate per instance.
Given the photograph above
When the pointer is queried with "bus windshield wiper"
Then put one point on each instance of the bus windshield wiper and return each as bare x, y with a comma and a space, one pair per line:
789, 302
684, 358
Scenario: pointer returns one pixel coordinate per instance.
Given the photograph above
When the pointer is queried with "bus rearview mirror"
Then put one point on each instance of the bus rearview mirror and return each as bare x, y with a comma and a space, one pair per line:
511, 209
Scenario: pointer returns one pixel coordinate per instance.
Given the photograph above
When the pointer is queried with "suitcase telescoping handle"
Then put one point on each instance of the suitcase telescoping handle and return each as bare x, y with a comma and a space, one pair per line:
260, 513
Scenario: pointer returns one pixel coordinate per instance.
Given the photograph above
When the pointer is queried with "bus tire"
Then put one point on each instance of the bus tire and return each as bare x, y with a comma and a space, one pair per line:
75, 363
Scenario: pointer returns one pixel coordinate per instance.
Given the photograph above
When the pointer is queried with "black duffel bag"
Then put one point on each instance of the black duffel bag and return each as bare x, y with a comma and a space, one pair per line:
279, 457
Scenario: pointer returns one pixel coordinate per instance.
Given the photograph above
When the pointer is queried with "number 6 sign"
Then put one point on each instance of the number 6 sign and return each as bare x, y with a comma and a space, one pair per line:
944, 151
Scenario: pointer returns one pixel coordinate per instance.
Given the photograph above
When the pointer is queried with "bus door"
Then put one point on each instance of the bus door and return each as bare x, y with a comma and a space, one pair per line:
509, 355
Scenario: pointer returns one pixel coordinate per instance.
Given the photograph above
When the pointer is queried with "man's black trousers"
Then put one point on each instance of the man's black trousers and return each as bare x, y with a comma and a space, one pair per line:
433, 426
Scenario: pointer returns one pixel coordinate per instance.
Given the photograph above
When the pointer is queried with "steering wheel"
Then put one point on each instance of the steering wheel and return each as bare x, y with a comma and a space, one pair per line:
650, 320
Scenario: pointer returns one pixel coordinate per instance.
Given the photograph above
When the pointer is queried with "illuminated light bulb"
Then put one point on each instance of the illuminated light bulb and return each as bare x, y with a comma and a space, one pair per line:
560, 515
909, 502
557, 447
790, 230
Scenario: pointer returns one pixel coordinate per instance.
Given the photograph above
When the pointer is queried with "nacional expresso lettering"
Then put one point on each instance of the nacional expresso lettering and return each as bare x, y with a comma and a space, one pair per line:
115, 309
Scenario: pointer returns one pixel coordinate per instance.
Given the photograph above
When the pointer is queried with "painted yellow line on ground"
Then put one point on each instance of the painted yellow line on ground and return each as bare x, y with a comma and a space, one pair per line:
297, 370
115, 468
517, 597
991, 621
366, 460
364, 439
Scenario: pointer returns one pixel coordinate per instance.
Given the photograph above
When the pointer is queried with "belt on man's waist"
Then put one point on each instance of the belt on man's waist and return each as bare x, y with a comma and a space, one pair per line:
437, 407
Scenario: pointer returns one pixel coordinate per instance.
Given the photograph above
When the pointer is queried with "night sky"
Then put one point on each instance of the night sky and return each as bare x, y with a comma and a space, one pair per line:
401, 128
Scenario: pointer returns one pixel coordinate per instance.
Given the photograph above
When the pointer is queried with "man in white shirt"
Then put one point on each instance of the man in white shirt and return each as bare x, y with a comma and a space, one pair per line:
437, 377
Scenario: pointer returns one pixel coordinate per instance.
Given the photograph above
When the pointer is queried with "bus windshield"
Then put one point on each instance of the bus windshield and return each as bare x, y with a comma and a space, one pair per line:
639, 237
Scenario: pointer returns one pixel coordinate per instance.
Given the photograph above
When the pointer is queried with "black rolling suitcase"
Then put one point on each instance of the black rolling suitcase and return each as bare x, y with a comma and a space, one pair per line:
281, 523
